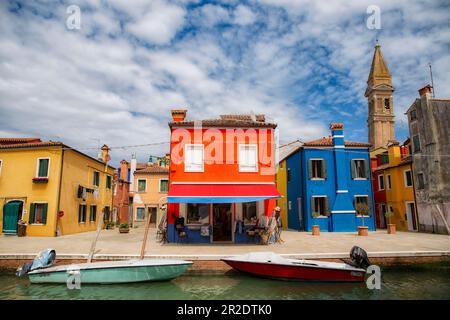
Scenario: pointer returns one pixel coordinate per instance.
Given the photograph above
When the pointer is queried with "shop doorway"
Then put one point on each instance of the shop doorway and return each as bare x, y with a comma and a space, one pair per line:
411, 216
12, 212
222, 222
152, 215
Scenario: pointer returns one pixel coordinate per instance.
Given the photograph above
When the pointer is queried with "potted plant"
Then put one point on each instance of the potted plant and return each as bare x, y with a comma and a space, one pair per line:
362, 209
390, 226
315, 227
124, 228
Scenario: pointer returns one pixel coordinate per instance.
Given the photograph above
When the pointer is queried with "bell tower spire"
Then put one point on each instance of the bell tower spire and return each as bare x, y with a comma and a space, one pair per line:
379, 91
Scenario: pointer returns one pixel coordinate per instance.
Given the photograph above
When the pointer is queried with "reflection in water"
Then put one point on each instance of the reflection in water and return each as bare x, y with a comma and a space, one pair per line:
396, 284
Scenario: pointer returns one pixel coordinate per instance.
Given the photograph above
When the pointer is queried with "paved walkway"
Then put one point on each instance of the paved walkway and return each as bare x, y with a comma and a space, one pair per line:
303, 244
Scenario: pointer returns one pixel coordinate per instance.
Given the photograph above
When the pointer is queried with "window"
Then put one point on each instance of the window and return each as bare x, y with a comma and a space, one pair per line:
362, 205
249, 212
163, 185
248, 158
93, 213
413, 115
1, 162
381, 182
82, 213
193, 160
140, 213
317, 169
387, 103
38, 213
107, 214
96, 179
108, 182
142, 185
359, 169
42, 167
384, 158
420, 181
388, 182
288, 175
197, 213
408, 178
416, 143
319, 205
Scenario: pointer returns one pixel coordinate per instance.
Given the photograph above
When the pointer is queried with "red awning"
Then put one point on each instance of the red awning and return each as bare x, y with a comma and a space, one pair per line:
221, 193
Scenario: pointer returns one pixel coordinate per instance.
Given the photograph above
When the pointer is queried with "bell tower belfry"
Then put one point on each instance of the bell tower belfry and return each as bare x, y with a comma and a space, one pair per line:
380, 101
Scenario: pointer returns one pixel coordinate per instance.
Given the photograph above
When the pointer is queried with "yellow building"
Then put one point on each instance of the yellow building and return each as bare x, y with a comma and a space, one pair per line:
281, 178
396, 173
151, 187
55, 189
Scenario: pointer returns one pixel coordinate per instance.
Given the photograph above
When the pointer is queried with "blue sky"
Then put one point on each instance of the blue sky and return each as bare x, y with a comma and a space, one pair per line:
302, 63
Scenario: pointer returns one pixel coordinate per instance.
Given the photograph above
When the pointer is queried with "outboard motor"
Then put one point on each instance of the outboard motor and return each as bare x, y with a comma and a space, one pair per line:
359, 258
44, 259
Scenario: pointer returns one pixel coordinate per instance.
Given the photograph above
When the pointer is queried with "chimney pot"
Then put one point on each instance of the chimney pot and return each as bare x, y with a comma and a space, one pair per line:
425, 90
178, 115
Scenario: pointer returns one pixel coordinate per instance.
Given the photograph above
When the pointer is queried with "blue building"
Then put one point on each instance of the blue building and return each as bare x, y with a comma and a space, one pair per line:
326, 179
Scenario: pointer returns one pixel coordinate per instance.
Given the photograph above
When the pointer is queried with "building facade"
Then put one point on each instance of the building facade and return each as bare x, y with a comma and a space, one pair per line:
152, 186
429, 130
222, 178
394, 178
327, 178
56, 189
281, 177
380, 120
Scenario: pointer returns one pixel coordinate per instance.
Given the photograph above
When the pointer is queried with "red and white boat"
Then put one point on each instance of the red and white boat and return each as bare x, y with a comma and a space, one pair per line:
271, 265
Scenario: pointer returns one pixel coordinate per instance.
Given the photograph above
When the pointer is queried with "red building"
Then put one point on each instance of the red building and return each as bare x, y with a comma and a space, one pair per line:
222, 177
379, 190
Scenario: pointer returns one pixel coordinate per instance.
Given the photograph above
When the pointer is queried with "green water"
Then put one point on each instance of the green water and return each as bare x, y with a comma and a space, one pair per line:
425, 282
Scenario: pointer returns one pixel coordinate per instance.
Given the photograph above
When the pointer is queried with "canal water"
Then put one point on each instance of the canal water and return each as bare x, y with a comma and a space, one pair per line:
420, 282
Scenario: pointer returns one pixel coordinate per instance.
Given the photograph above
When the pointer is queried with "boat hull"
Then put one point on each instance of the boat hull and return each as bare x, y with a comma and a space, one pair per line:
110, 275
296, 273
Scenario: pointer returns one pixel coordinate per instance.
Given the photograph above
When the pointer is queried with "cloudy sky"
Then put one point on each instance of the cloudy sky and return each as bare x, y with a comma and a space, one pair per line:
304, 63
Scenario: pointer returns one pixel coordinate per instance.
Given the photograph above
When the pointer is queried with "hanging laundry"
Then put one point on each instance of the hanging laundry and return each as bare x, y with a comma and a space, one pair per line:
84, 194
96, 194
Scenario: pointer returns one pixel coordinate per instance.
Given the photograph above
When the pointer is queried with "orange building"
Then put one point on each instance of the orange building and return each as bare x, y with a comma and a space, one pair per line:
222, 177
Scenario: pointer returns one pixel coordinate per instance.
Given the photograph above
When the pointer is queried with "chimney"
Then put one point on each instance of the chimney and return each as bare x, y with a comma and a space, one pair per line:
178, 115
105, 153
425, 90
124, 170
133, 166
337, 133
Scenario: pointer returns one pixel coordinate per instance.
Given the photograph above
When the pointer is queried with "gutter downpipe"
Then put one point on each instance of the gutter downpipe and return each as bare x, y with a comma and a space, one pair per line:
59, 191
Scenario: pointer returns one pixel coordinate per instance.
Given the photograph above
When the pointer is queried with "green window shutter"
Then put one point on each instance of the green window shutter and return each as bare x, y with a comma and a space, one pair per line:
80, 208
43, 168
31, 217
353, 168
312, 204
324, 168
370, 207
310, 173
44, 214
366, 169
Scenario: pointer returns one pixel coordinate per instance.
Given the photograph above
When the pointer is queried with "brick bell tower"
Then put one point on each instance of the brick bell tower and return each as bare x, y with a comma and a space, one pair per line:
379, 91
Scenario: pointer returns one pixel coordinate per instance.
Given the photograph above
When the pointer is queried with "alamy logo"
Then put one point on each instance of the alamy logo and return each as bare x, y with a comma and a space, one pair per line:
374, 18
374, 280
73, 21
74, 278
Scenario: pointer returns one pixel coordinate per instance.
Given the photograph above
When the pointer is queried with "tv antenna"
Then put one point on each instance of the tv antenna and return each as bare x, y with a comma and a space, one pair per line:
431, 76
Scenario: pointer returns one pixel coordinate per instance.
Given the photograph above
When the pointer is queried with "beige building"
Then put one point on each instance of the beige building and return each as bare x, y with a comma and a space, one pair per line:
151, 187
379, 92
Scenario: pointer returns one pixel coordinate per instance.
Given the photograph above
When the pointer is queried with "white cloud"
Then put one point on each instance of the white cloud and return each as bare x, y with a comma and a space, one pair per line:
158, 25
243, 15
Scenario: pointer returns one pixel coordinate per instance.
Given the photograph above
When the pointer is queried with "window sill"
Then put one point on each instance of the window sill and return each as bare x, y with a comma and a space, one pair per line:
36, 224
360, 216
358, 179
317, 179
40, 179
82, 222
320, 217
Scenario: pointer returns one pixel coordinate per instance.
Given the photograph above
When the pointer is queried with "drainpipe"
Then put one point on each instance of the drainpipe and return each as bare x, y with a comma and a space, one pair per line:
59, 189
